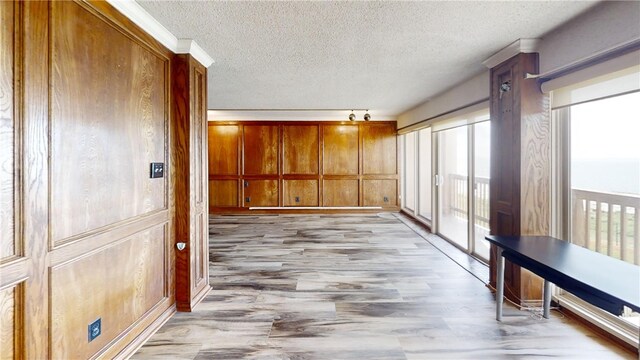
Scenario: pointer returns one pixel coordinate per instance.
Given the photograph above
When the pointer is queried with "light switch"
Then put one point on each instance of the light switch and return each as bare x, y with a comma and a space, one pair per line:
157, 170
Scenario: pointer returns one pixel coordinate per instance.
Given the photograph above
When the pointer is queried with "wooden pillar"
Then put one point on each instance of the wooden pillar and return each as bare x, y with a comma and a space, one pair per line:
520, 165
189, 166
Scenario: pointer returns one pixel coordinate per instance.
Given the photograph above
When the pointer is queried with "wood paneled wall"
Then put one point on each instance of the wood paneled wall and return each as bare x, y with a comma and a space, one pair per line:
86, 105
520, 165
191, 185
309, 164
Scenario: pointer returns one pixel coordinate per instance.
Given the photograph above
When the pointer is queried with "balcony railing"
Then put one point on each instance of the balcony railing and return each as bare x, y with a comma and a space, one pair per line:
607, 223
457, 196
603, 222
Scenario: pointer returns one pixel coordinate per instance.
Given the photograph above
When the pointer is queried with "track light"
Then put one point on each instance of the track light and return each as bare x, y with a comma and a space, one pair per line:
352, 116
367, 117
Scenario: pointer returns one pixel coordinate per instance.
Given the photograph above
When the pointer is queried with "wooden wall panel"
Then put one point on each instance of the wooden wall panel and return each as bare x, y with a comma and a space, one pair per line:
7, 132
260, 151
380, 193
223, 149
103, 135
300, 149
189, 159
118, 284
304, 191
223, 193
320, 162
379, 149
340, 192
260, 193
520, 148
92, 106
340, 149
8, 322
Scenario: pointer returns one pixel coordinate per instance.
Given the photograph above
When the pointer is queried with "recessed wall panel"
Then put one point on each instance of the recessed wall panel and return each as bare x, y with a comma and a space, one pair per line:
103, 135
340, 149
260, 149
300, 192
380, 192
8, 322
300, 147
223, 193
117, 285
340, 192
379, 149
260, 193
7, 133
223, 149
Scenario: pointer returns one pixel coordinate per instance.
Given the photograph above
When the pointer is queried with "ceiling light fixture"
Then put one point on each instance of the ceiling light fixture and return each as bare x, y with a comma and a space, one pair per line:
367, 116
352, 116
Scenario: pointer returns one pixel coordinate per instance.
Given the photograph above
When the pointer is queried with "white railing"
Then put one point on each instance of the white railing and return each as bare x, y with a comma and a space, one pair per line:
457, 198
607, 223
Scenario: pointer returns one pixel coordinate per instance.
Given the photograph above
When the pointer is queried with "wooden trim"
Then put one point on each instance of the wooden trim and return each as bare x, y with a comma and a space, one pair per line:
340, 177
246, 211
116, 20
194, 300
14, 272
144, 336
598, 330
360, 166
314, 122
36, 177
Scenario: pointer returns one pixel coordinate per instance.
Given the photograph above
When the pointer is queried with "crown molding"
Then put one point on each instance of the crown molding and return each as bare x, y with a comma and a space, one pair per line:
293, 115
188, 46
136, 13
515, 48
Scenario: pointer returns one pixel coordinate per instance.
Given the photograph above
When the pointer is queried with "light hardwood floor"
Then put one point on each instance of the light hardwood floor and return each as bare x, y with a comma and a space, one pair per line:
354, 287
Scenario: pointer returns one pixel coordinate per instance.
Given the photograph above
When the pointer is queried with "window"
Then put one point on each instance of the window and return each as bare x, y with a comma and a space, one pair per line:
410, 171
597, 190
451, 151
416, 173
424, 170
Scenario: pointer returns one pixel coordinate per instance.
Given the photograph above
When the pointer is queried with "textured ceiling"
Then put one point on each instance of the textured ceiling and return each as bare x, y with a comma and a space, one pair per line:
381, 55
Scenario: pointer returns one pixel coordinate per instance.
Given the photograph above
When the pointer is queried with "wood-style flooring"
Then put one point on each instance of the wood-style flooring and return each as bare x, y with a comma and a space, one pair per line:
353, 287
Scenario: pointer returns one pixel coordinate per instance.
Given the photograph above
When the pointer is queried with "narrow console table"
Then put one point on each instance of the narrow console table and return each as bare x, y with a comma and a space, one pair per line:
601, 280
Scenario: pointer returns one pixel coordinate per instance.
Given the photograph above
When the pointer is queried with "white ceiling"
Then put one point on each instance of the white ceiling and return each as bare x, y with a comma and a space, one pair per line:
379, 55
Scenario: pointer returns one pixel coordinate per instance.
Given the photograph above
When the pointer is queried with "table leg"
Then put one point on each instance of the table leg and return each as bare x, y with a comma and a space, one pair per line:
499, 284
547, 298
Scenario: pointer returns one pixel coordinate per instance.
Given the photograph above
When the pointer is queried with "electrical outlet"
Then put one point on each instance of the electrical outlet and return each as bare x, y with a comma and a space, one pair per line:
247, 199
297, 199
95, 329
385, 199
157, 170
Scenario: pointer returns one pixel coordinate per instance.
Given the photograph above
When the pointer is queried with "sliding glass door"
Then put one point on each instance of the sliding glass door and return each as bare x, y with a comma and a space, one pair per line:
481, 146
440, 160
453, 195
463, 208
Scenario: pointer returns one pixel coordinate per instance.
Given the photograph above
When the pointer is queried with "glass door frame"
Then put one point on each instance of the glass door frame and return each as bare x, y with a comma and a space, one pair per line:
436, 221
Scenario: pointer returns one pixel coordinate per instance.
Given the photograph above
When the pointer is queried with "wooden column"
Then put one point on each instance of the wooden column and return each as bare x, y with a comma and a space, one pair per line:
189, 164
520, 165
